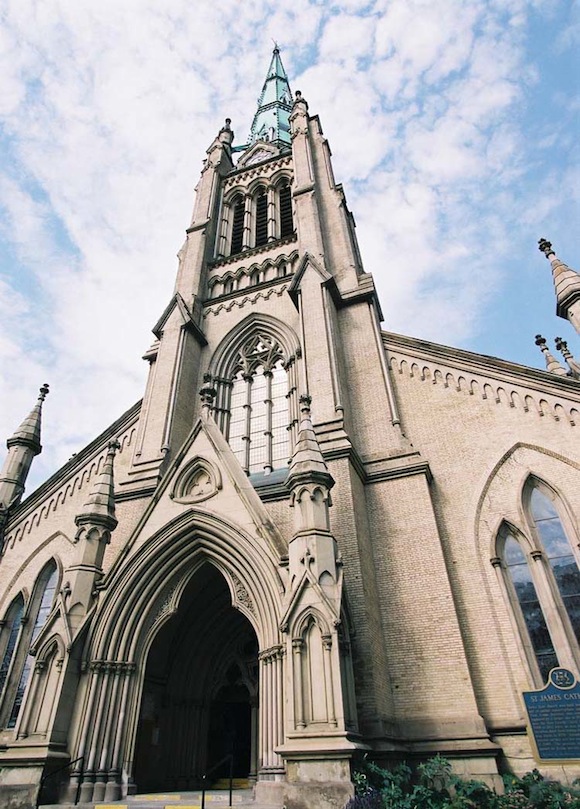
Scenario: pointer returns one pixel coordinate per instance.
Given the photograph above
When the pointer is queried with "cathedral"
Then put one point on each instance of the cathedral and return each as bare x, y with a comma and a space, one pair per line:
311, 540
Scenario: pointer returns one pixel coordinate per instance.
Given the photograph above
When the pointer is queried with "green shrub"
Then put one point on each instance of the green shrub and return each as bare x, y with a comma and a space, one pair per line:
436, 787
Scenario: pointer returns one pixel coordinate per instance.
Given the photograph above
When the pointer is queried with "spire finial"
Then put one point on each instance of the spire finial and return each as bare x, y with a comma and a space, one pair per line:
552, 364
43, 393
562, 347
545, 247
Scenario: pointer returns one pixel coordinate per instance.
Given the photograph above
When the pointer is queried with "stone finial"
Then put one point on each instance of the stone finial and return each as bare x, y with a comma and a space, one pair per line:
99, 508
545, 247
562, 347
299, 99
207, 393
226, 133
552, 364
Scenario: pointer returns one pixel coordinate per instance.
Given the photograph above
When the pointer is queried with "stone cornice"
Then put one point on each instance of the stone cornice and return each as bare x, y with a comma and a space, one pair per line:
481, 364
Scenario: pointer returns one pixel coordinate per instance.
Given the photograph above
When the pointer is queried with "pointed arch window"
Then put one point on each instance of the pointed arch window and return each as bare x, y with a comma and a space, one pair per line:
522, 582
10, 632
39, 609
559, 554
259, 422
543, 579
256, 404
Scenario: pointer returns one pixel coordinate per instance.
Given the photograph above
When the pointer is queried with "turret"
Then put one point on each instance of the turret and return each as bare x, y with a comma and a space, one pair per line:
566, 284
23, 446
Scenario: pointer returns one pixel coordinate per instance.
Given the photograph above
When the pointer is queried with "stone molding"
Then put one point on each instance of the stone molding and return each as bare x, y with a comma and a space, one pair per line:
229, 304
511, 393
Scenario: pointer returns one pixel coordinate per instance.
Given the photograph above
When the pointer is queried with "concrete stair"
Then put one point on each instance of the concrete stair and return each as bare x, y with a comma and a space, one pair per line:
214, 799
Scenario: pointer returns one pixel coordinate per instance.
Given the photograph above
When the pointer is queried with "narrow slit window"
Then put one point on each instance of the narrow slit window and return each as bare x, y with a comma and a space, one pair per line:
261, 218
237, 226
286, 219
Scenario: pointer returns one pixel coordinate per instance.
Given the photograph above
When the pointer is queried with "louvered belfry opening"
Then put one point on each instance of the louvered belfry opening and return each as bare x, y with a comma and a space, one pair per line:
238, 226
286, 221
261, 218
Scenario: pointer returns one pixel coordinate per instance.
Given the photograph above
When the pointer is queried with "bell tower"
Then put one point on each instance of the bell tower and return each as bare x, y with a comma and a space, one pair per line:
271, 242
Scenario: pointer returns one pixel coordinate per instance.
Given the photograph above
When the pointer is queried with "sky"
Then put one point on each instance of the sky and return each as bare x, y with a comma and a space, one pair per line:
453, 126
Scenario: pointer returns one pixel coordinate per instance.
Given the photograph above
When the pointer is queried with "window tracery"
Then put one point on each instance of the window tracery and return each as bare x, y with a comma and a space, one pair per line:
256, 397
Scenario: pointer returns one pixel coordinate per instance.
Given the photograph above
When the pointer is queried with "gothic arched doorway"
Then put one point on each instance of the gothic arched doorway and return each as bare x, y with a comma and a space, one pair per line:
200, 691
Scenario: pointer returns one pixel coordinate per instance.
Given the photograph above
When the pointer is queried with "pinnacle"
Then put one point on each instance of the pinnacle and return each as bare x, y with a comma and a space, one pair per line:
307, 459
99, 507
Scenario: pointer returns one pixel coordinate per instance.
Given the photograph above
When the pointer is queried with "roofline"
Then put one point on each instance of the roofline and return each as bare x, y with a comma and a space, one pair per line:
73, 465
484, 364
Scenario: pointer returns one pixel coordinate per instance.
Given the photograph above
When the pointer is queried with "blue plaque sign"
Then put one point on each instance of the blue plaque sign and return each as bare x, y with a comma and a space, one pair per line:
554, 717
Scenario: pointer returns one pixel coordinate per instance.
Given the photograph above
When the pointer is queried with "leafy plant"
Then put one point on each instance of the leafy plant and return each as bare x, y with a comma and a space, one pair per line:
436, 787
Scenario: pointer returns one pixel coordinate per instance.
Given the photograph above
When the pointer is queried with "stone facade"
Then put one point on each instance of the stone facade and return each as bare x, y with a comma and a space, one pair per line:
310, 558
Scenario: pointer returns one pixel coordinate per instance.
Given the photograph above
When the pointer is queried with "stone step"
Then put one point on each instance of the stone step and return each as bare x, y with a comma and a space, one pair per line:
214, 799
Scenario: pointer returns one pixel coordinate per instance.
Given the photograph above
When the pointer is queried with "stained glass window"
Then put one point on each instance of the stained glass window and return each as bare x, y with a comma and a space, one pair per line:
529, 602
48, 581
559, 553
12, 628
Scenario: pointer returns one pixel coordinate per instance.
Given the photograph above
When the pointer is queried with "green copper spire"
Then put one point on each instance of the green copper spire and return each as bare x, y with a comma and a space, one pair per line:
272, 119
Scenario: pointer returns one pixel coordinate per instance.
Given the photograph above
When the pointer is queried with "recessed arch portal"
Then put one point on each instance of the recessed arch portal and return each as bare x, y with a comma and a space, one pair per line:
152, 590
200, 690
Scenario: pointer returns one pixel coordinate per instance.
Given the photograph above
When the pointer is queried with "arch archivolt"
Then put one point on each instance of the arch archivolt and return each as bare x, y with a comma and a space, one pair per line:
141, 596
147, 590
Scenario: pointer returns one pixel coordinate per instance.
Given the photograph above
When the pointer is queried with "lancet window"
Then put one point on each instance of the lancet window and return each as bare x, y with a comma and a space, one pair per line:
256, 405
252, 219
38, 611
543, 579
10, 632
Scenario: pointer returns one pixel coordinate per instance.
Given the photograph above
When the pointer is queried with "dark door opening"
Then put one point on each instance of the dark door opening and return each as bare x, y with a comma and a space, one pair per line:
200, 692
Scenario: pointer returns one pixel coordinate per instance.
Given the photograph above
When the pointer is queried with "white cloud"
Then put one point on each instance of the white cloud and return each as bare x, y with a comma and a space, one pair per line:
107, 109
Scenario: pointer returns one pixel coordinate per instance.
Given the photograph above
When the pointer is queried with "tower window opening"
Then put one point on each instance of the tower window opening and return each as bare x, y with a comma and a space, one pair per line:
286, 219
261, 218
237, 226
